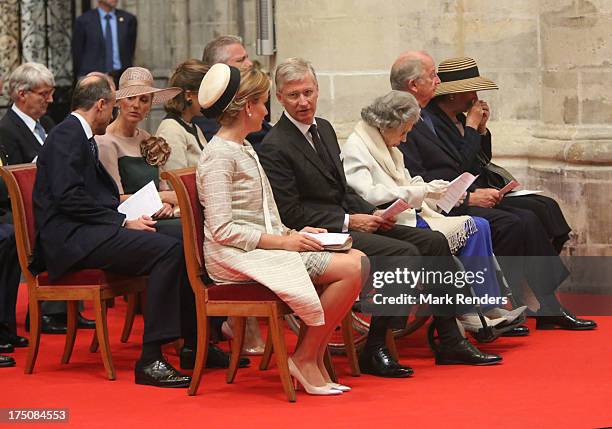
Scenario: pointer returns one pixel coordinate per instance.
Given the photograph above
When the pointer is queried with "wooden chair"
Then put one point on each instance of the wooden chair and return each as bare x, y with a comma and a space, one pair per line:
93, 285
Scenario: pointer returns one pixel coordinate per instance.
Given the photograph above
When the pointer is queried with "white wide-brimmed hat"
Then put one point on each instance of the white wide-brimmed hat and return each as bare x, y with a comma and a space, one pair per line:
218, 89
136, 81
461, 75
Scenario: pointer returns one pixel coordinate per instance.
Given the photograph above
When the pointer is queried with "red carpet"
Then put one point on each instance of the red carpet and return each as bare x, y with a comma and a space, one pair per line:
548, 380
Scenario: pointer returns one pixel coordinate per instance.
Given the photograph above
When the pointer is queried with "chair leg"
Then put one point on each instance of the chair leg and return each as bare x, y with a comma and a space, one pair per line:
278, 340
390, 343
327, 360
238, 329
132, 301
102, 334
34, 335
349, 344
71, 331
201, 348
267, 355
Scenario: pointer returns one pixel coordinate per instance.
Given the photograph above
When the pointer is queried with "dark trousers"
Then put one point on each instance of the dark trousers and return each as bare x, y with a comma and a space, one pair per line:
159, 256
10, 274
519, 234
407, 241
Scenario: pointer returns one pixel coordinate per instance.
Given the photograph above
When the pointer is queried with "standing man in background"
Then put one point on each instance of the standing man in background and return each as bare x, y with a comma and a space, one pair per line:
104, 40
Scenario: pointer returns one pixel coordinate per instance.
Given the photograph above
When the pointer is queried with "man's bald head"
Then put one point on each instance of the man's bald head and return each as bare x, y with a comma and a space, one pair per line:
415, 72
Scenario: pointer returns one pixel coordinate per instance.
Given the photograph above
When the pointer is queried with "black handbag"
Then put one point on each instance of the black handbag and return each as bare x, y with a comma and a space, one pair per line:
492, 175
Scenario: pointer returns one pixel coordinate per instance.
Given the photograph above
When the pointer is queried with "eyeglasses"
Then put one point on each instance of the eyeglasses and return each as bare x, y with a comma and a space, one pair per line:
44, 94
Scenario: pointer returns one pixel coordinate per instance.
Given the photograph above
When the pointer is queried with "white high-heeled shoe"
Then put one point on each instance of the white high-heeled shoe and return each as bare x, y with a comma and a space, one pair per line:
309, 388
340, 387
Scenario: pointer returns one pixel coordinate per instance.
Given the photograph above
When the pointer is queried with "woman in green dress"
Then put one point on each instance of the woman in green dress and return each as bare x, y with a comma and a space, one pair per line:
130, 155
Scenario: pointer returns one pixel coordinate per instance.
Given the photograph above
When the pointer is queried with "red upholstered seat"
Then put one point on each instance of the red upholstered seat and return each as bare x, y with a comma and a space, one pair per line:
81, 278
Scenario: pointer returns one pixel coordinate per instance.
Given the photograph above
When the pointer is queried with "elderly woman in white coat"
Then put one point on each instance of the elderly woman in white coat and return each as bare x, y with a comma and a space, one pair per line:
244, 238
375, 168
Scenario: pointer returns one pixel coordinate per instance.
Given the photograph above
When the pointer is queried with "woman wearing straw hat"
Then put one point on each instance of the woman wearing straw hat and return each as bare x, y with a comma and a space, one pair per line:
244, 239
128, 152
459, 141
374, 167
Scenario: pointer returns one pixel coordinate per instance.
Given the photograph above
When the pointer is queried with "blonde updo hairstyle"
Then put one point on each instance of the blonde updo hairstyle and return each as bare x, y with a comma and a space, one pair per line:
253, 84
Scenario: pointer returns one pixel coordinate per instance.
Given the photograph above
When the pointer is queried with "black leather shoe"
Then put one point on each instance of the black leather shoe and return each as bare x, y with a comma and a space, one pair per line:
6, 348
49, 323
381, 364
7, 337
517, 331
84, 323
216, 358
6, 361
565, 320
160, 374
464, 353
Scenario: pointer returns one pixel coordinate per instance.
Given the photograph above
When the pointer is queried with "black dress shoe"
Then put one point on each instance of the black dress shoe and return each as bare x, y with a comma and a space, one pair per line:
216, 358
84, 323
160, 373
6, 361
381, 364
7, 337
6, 348
49, 323
517, 331
464, 353
565, 320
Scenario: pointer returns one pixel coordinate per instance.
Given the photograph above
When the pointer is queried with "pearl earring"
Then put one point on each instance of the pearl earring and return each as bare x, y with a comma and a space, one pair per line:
250, 114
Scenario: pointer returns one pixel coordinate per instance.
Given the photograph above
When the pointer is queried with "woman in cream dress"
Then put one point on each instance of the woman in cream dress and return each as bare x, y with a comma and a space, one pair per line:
244, 239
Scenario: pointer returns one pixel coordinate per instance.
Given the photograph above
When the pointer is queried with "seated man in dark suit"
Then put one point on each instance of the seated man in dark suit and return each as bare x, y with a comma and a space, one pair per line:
78, 227
23, 131
104, 40
515, 231
301, 158
227, 50
9, 284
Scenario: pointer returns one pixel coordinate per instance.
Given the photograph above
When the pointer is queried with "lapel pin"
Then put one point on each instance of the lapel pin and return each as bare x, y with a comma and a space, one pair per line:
120, 19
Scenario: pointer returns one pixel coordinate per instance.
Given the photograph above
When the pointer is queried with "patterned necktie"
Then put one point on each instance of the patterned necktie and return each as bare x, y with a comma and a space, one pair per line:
94, 150
38, 128
108, 44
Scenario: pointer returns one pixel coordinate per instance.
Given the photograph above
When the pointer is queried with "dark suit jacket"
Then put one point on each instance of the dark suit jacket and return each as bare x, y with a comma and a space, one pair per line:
75, 200
17, 145
306, 193
445, 154
88, 53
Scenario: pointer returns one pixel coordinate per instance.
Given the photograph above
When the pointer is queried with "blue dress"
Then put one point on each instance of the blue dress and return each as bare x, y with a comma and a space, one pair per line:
475, 255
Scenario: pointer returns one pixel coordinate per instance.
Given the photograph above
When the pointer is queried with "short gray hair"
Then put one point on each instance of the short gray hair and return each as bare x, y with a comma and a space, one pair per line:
29, 76
215, 51
293, 69
405, 68
391, 110
90, 89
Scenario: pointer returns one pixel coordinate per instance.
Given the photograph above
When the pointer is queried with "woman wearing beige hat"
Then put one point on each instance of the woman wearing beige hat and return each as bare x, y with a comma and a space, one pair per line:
244, 238
129, 153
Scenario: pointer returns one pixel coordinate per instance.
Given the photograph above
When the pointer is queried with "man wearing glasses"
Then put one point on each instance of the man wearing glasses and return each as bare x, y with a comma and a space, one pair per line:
23, 131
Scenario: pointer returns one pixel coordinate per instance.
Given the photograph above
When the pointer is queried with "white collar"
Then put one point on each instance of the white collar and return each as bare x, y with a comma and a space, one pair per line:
28, 120
84, 124
300, 125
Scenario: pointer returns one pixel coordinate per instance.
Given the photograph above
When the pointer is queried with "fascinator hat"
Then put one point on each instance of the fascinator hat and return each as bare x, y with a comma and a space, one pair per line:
218, 89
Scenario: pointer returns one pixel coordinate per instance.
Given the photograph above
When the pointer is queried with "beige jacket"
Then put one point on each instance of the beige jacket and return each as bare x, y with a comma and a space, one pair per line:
185, 148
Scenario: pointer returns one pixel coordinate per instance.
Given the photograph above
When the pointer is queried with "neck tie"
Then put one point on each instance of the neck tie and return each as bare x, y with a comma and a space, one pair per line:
38, 128
428, 122
108, 44
322, 151
94, 150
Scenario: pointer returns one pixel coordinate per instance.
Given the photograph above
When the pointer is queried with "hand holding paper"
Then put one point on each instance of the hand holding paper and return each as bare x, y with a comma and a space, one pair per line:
455, 190
394, 209
145, 201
